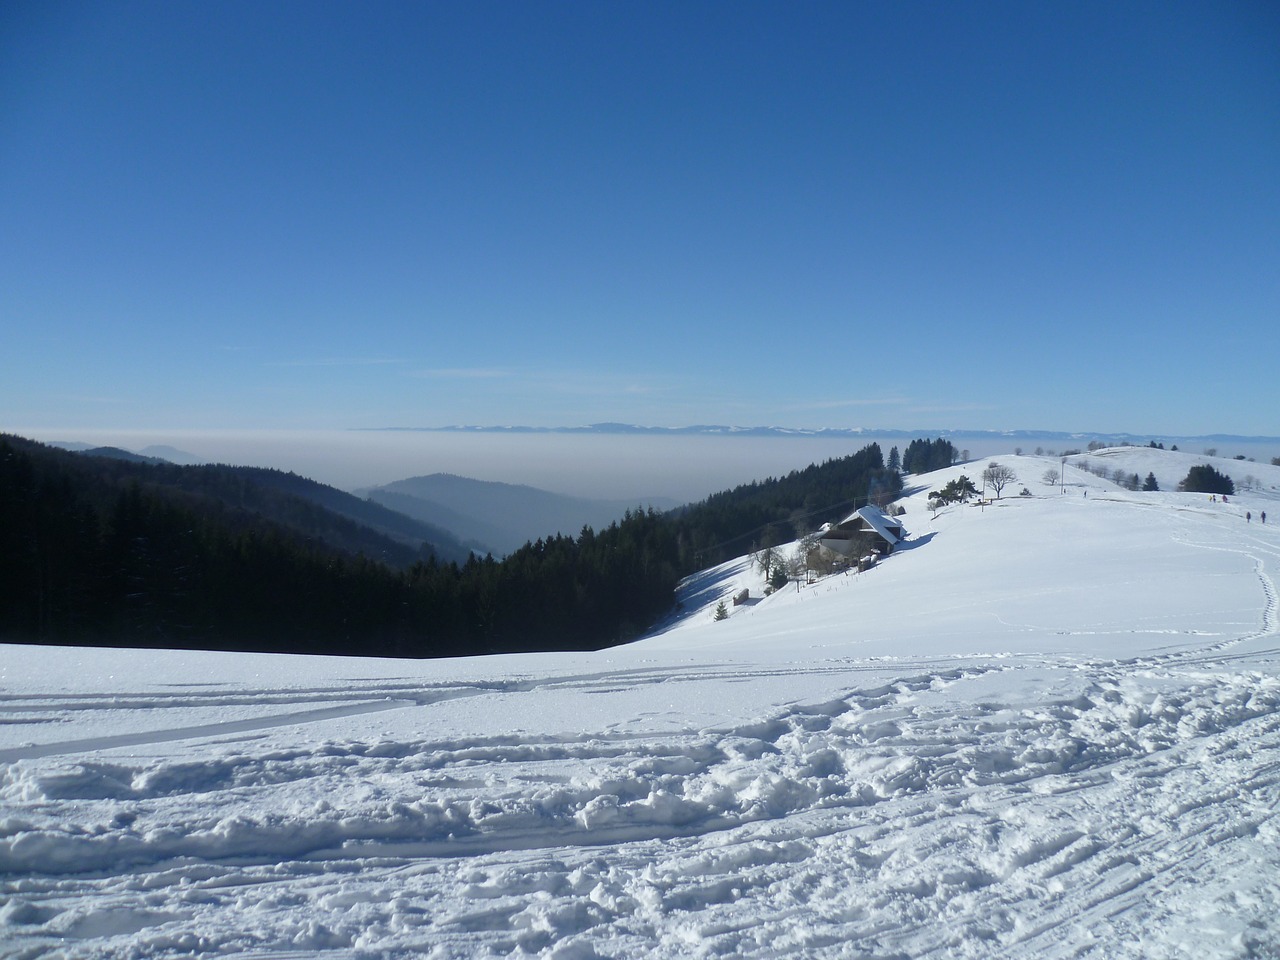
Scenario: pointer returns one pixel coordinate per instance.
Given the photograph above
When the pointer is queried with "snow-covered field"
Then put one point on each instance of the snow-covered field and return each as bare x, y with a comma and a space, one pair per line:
1046, 727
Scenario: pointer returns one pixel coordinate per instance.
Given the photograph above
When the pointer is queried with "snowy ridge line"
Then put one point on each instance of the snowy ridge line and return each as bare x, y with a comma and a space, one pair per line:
885, 745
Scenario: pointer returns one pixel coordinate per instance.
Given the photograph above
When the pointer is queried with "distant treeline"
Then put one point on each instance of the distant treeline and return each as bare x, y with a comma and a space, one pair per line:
99, 551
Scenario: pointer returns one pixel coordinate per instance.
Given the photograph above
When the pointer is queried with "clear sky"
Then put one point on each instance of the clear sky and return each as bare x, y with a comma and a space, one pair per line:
314, 215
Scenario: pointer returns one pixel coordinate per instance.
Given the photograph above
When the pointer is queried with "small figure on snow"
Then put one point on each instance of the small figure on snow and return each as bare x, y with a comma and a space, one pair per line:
1264, 516
1248, 517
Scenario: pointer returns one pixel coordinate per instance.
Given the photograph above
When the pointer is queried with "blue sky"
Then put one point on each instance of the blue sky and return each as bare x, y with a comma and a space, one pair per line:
291, 216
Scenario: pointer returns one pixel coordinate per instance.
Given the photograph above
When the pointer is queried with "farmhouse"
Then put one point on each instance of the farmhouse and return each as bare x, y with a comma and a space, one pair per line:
866, 523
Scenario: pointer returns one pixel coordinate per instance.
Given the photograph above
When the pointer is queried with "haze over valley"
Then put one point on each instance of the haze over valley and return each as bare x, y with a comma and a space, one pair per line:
635, 467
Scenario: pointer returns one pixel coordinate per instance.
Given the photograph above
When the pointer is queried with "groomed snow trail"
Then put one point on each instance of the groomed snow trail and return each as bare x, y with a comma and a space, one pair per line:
1043, 754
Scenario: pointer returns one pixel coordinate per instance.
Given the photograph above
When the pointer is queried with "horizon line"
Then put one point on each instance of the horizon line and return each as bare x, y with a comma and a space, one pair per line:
811, 432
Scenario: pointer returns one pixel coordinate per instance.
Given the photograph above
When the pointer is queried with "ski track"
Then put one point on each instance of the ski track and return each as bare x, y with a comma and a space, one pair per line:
894, 824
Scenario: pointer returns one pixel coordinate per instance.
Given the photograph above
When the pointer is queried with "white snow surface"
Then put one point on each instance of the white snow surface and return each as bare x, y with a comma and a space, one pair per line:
1044, 727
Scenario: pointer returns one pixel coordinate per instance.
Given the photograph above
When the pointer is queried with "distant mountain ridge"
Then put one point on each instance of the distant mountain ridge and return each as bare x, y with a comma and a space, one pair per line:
833, 432
118, 453
499, 516
156, 453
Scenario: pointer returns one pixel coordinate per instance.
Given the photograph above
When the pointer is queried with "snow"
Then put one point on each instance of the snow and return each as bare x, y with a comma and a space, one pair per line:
1048, 726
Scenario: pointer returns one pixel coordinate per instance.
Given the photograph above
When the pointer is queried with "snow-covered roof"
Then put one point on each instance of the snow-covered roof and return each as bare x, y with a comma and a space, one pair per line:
877, 520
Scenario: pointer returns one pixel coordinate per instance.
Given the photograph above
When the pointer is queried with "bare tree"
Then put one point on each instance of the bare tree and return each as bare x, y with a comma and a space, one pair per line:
998, 476
798, 564
766, 560
1051, 476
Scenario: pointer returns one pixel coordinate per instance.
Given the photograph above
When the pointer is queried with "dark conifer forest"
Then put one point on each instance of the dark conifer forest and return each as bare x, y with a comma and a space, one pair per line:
97, 550
926, 456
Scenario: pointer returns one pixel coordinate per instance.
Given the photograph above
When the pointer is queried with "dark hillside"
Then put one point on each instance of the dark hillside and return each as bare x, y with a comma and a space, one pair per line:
103, 551
333, 518
368, 514
98, 550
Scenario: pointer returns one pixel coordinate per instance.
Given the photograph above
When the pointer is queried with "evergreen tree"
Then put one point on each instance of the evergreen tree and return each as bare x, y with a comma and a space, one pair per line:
1205, 479
925, 456
960, 489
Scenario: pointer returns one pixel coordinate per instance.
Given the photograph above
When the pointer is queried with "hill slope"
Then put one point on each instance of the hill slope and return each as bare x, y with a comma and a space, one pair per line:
1045, 727
499, 516
95, 549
